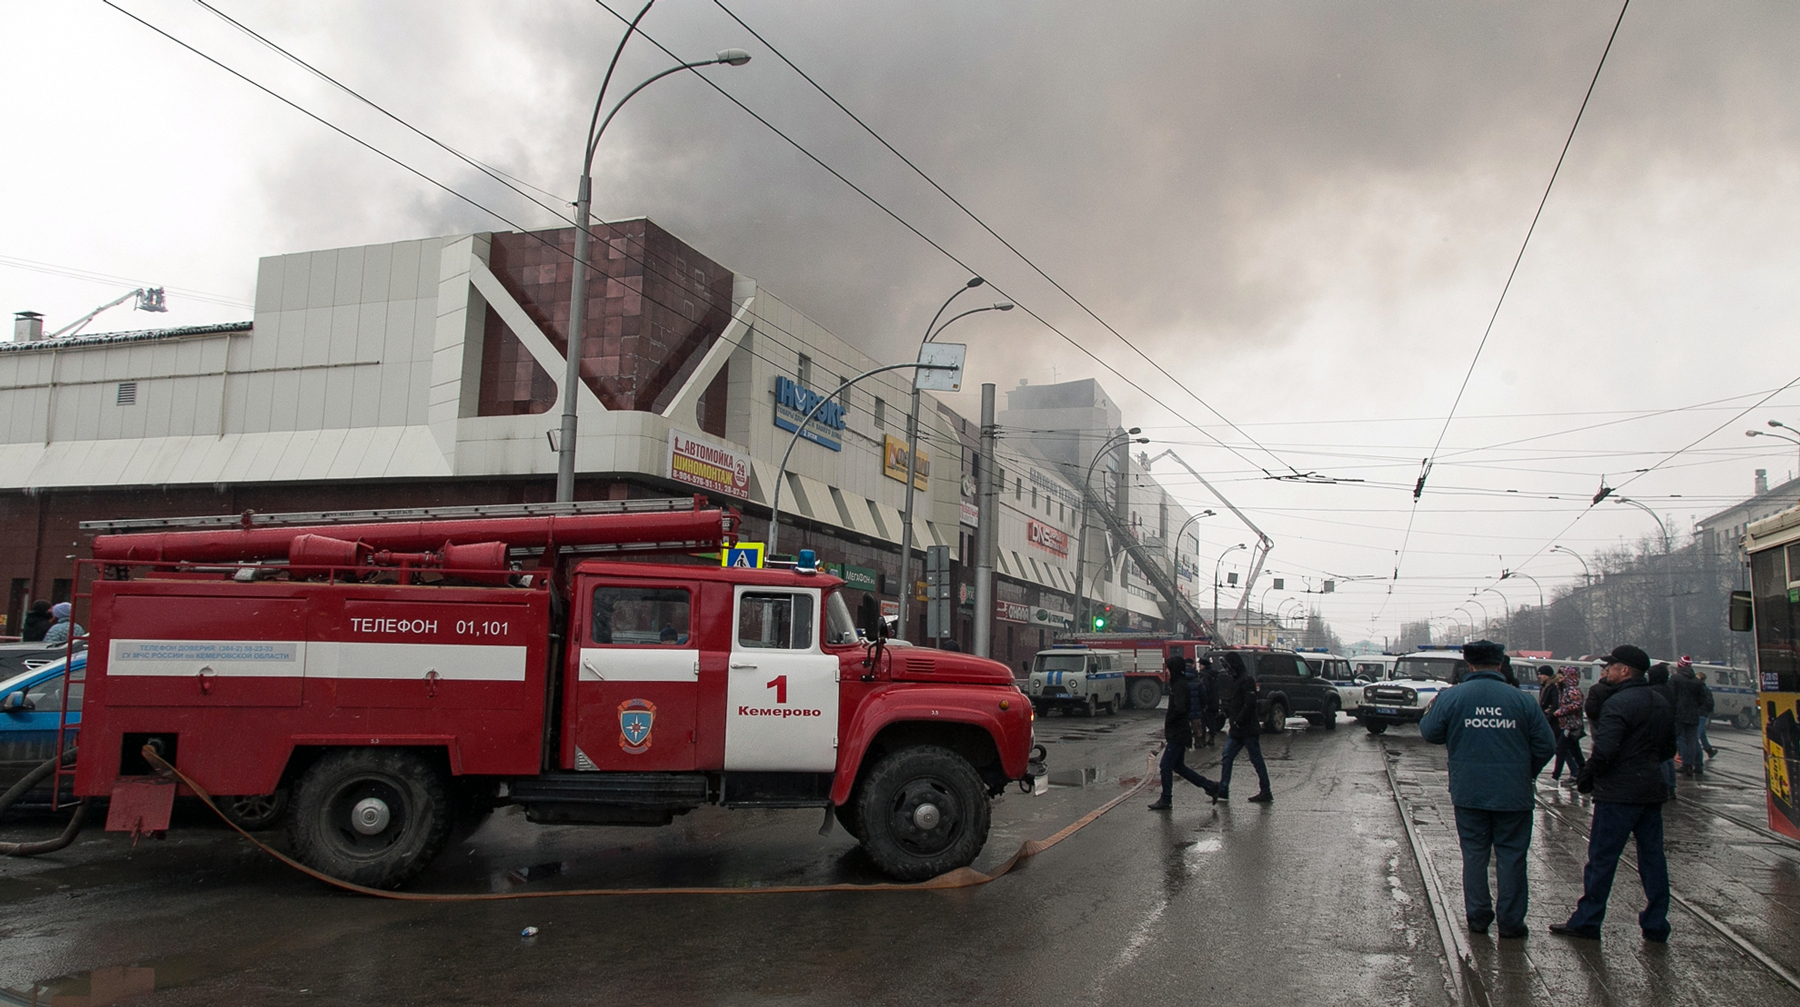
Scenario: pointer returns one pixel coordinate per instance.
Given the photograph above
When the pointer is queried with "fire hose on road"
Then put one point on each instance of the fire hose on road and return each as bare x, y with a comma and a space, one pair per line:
964, 877
20, 789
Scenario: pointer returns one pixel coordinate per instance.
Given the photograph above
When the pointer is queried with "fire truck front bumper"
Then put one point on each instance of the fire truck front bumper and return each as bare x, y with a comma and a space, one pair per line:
1037, 772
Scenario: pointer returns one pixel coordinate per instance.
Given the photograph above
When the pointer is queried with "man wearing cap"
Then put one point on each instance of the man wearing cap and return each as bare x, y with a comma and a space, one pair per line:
64, 627
1624, 773
1498, 741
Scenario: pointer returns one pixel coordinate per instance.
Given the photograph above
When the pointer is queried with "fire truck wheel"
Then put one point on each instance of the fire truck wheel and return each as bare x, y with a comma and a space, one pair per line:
1145, 694
370, 816
925, 811
255, 811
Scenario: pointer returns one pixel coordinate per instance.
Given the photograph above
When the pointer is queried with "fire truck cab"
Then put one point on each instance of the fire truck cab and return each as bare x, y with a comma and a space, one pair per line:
400, 702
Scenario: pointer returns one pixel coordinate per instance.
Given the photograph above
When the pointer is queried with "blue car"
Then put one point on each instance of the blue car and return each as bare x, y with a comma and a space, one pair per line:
31, 704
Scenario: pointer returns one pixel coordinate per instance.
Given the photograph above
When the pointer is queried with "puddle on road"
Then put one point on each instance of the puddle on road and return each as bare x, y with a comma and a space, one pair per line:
85, 989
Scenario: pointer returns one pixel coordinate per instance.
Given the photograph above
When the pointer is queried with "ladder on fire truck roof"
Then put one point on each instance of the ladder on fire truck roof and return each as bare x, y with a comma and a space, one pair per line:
1177, 608
251, 519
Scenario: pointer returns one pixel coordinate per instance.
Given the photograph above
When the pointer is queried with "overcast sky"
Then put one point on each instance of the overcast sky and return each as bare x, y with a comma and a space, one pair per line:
1303, 211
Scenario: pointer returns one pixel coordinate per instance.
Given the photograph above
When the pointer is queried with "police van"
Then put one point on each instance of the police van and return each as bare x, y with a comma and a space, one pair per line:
1410, 688
1734, 694
1076, 679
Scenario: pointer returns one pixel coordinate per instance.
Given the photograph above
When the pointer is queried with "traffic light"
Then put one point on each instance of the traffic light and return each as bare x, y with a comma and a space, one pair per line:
1103, 618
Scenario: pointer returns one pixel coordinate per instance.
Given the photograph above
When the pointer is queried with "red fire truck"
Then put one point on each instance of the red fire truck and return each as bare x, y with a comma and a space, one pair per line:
402, 678
1145, 680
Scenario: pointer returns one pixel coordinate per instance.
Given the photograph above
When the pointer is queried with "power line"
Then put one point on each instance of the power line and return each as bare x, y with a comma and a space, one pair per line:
996, 234
922, 236
1425, 471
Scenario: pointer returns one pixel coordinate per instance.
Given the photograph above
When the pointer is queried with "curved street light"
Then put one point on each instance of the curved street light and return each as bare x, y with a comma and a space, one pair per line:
1540, 589
912, 443
1087, 479
1216, 567
1587, 603
571, 387
1668, 561
781, 471
1175, 549
1487, 622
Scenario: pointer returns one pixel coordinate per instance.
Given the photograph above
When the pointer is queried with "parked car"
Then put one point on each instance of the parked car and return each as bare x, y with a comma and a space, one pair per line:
1076, 679
1288, 686
31, 705
1339, 672
1411, 688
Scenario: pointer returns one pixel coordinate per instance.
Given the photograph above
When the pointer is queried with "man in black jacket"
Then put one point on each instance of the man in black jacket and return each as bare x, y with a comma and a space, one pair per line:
1178, 732
1244, 730
1636, 733
1690, 701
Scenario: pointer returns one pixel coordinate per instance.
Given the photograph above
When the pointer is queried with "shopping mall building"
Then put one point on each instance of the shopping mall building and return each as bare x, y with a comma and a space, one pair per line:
429, 373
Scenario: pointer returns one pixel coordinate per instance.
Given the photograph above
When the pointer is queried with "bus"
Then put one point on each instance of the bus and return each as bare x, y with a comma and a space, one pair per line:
1771, 610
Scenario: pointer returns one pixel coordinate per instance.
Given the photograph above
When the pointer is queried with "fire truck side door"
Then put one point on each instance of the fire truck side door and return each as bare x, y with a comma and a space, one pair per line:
781, 696
638, 678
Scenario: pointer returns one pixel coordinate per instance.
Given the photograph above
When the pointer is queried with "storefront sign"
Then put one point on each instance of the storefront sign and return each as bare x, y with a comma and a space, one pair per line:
971, 514
1049, 539
708, 466
890, 610
793, 401
1052, 618
893, 464
1012, 611
860, 577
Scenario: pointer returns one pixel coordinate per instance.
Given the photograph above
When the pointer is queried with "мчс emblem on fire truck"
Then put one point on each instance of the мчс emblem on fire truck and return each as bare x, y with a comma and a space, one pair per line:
636, 717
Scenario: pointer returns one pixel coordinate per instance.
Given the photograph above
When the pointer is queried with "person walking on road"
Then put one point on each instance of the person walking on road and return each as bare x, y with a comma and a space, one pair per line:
1243, 730
1498, 741
1690, 701
1624, 773
1206, 716
1706, 714
1567, 718
1178, 732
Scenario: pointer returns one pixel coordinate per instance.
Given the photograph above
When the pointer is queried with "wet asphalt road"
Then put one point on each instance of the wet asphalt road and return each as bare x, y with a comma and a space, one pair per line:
1317, 898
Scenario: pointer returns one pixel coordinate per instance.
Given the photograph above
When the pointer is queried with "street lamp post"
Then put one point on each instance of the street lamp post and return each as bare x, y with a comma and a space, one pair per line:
1668, 564
1779, 437
912, 445
1505, 607
1175, 550
1216, 567
1471, 616
1081, 531
781, 472
571, 387
1487, 623
1587, 603
1540, 589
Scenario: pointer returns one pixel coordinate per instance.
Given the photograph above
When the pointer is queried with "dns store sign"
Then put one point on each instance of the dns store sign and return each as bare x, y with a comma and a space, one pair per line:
1050, 539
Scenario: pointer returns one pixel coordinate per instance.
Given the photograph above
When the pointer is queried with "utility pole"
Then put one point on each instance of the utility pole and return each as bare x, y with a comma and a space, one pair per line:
987, 529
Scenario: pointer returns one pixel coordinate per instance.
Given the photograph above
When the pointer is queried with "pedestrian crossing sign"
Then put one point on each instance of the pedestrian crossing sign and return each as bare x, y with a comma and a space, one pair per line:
746, 555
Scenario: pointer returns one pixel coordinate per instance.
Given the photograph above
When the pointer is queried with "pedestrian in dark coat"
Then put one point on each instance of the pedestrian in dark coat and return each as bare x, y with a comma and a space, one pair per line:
1658, 677
1244, 729
1178, 732
37, 622
1706, 715
1636, 734
1548, 696
1206, 718
1690, 701
1498, 741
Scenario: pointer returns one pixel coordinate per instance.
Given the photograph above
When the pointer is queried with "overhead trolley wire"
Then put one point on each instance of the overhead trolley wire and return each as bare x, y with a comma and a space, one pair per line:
1426, 464
997, 236
945, 252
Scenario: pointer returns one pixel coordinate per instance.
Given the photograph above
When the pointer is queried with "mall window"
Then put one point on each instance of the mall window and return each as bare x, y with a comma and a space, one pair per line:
880, 413
804, 372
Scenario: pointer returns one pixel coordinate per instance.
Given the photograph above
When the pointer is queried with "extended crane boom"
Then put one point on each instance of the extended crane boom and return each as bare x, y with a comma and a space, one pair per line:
1263, 542
148, 299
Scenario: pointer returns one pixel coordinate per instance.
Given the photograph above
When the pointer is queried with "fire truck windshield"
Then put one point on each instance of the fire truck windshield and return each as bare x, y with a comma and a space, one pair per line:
840, 628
